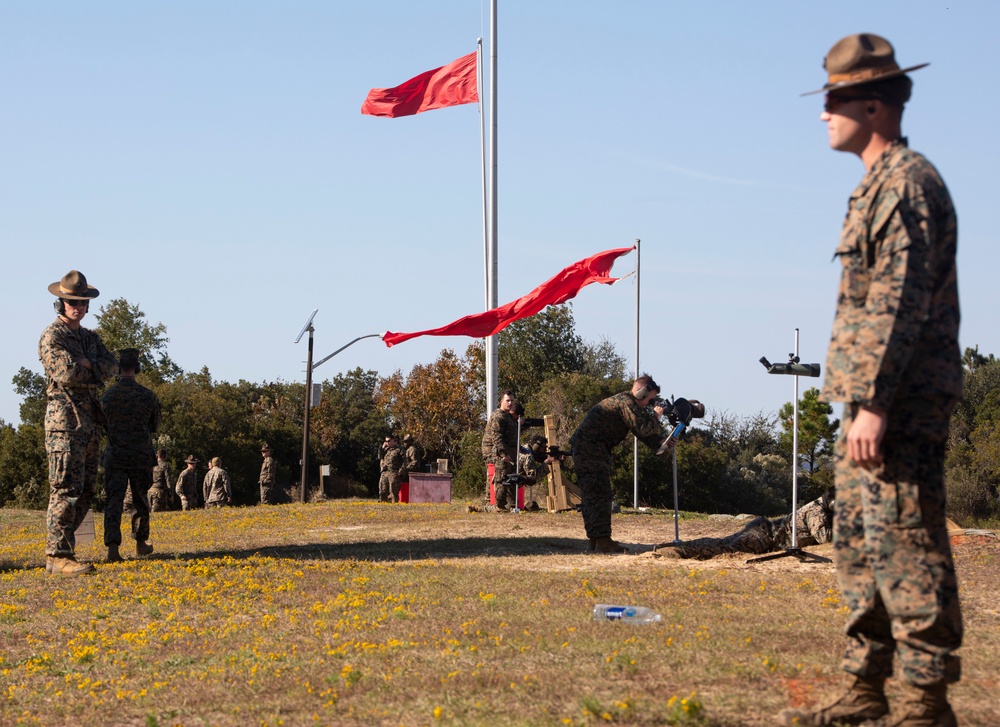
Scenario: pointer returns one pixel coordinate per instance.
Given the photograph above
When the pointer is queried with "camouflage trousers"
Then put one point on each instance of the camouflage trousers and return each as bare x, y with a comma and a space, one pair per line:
268, 495
189, 497
756, 538
892, 552
116, 481
159, 499
388, 487
595, 496
73, 458
504, 493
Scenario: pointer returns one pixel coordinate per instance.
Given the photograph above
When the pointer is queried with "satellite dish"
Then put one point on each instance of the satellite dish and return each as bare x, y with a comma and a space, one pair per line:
307, 326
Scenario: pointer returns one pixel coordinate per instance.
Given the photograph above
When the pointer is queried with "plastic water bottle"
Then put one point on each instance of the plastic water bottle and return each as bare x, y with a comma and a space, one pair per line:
626, 614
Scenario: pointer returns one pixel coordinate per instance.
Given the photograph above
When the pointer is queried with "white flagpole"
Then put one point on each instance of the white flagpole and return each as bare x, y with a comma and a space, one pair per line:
482, 151
635, 444
492, 359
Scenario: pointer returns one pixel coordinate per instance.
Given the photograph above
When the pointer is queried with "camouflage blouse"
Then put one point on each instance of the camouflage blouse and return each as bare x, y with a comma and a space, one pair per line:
895, 335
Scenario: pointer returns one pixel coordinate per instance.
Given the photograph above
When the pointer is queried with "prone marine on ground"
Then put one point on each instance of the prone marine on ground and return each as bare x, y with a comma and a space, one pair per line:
813, 526
133, 413
76, 364
895, 362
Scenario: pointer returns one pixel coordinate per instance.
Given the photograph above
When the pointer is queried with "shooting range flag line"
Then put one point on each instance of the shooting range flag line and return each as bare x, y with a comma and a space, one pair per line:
453, 84
565, 285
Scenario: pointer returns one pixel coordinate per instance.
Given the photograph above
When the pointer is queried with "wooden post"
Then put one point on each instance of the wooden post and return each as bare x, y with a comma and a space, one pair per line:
563, 495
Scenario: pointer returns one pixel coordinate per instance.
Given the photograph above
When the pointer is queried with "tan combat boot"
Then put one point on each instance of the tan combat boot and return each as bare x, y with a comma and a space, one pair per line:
113, 555
142, 548
864, 700
607, 545
70, 567
925, 707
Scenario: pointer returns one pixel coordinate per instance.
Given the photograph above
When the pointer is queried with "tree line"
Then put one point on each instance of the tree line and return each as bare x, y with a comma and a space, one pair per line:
726, 464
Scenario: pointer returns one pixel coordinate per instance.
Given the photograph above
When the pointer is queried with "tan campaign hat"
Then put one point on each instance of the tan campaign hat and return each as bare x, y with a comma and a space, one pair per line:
859, 59
73, 286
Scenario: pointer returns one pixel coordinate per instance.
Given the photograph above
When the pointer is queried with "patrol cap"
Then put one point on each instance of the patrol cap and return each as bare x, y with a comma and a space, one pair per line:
73, 286
859, 59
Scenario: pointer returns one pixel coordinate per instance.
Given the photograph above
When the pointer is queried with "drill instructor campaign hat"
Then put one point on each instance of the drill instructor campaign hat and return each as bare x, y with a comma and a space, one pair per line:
73, 286
191, 459
859, 59
266, 448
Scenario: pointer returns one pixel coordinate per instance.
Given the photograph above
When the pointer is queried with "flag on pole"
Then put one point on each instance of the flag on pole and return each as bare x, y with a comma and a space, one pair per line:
565, 285
450, 85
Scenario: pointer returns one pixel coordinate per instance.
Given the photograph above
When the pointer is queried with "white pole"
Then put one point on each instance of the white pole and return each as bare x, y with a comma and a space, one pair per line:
492, 358
482, 153
795, 449
635, 440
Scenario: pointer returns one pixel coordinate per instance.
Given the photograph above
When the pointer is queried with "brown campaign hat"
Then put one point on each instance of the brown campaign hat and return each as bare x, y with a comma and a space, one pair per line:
191, 459
859, 59
73, 286
266, 448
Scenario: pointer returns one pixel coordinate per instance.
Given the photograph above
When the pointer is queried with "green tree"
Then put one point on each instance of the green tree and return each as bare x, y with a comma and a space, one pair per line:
123, 325
817, 433
433, 403
536, 348
31, 387
24, 480
348, 428
973, 459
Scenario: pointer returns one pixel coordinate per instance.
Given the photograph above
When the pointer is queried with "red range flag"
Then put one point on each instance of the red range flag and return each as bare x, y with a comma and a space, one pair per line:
565, 285
451, 85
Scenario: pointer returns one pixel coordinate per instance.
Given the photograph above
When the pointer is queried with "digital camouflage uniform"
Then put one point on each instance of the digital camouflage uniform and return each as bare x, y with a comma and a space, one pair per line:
218, 490
133, 413
603, 428
895, 347
813, 526
72, 416
412, 459
268, 478
500, 438
160, 494
391, 468
187, 488
531, 468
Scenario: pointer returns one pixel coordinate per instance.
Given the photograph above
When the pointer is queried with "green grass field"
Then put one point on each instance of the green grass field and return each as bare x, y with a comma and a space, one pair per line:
359, 613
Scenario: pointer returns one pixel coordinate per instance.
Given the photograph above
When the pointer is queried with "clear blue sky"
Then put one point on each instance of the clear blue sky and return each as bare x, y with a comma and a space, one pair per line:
209, 162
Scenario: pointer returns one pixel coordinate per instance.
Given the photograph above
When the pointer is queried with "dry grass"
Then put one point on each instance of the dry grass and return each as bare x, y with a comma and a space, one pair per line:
359, 613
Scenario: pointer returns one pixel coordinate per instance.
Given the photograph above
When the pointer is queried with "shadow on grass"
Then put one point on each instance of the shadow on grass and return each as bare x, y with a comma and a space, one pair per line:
405, 550
386, 551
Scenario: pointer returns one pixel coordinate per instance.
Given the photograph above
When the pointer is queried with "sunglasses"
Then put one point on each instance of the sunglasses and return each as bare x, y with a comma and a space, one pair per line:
77, 303
832, 102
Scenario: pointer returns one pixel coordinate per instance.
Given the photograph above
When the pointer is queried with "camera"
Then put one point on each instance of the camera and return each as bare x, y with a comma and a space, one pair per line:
680, 411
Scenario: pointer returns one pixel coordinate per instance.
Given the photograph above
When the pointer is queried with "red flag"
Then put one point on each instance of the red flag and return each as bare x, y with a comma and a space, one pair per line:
565, 285
450, 85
